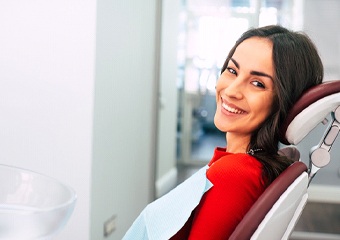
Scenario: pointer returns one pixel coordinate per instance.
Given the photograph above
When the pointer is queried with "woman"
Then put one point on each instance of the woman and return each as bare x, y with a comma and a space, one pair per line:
263, 76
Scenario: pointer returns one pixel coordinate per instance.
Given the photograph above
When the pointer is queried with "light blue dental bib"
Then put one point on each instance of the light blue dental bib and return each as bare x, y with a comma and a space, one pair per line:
164, 217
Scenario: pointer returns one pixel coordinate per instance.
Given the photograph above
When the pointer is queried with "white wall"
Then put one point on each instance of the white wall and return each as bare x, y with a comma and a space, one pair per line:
167, 121
124, 115
77, 102
322, 23
46, 94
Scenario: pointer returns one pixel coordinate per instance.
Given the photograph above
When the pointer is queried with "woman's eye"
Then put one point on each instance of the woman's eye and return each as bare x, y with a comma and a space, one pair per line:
231, 70
258, 84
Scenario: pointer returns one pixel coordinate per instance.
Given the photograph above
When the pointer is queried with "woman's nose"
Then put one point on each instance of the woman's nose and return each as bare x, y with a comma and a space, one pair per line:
235, 89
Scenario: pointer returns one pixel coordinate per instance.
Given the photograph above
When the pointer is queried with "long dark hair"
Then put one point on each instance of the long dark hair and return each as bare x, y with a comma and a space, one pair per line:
297, 67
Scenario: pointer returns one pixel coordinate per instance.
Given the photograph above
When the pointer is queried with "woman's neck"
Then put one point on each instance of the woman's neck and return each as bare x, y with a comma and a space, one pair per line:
237, 143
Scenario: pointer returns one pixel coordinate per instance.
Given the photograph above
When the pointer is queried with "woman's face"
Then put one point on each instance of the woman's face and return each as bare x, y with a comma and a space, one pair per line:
245, 90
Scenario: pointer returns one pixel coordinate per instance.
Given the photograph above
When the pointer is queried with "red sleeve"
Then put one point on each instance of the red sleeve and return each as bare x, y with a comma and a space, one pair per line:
237, 185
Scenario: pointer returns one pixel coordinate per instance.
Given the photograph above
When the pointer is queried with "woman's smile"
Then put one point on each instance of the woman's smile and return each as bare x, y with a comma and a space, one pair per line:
231, 108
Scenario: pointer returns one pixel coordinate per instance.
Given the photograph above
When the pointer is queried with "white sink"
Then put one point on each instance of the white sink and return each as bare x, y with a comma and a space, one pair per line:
32, 205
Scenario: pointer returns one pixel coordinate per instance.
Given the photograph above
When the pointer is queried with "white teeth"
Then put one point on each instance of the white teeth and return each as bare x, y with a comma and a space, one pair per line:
230, 109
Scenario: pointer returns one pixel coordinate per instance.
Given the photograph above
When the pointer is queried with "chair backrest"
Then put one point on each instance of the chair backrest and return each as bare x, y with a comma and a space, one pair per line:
280, 221
290, 188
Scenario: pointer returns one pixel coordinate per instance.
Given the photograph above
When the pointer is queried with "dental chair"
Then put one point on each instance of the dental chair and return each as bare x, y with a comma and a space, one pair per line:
275, 213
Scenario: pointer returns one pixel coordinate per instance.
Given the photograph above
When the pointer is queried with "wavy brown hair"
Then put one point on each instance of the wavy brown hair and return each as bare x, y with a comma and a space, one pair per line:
297, 67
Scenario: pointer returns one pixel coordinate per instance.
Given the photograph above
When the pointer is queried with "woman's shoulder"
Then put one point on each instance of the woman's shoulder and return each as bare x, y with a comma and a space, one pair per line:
239, 166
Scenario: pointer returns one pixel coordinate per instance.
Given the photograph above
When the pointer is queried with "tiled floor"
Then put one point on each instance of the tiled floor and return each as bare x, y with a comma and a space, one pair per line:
320, 218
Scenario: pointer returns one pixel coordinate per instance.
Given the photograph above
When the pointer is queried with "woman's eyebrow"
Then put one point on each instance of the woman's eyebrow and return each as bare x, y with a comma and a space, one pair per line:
235, 62
256, 73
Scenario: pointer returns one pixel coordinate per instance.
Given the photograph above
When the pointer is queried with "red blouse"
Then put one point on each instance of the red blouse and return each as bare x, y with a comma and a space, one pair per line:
237, 180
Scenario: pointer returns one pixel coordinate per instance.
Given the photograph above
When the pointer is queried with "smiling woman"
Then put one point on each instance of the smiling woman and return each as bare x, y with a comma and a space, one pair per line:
245, 92
296, 67
263, 76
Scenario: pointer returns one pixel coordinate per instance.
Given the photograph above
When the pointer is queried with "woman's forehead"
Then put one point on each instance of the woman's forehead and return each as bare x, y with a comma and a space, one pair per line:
255, 54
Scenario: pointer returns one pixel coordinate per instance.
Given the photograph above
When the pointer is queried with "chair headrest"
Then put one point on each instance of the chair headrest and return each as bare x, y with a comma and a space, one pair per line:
290, 152
312, 108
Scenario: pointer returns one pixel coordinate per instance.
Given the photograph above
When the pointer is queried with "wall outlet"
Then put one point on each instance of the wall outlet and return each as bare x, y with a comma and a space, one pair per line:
110, 226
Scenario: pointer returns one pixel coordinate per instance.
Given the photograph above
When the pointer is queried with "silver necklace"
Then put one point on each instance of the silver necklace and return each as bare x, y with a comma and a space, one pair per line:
253, 151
